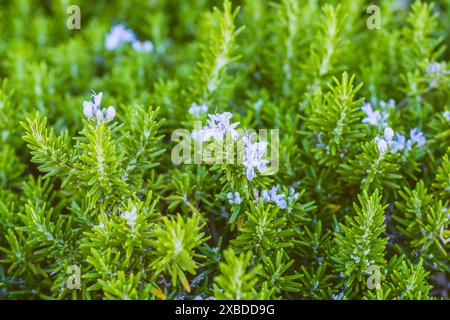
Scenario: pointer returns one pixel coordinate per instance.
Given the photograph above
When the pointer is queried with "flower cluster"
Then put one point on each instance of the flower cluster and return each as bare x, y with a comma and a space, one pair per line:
130, 216
436, 70
375, 117
218, 127
349, 198
100, 225
272, 195
416, 136
119, 35
400, 143
92, 110
234, 198
292, 195
446, 115
254, 157
385, 141
198, 110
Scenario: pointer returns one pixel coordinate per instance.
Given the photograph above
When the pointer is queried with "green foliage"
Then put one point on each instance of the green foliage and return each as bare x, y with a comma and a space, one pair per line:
359, 244
217, 54
372, 168
265, 230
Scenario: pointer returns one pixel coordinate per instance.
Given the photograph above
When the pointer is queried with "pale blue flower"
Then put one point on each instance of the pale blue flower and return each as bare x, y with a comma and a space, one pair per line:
374, 117
337, 296
381, 145
273, 196
319, 144
385, 141
237, 198
292, 195
110, 113
90, 108
371, 117
100, 226
446, 115
388, 134
436, 70
389, 105
265, 195
417, 136
130, 216
219, 126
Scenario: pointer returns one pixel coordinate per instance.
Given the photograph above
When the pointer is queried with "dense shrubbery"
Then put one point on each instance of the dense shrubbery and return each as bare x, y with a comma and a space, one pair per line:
358, 208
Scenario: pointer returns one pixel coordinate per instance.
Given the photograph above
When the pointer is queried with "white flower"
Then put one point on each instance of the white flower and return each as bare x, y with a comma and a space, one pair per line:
446, 115
92, 110
253, 157
234, 198
382, 145
417, 136
198, 111
146, 46
118, 35
130, 216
